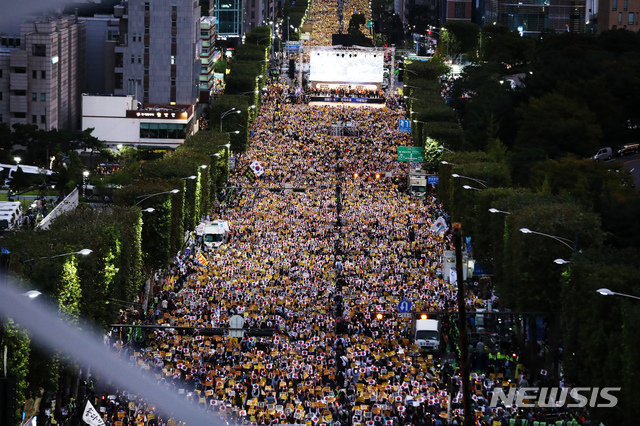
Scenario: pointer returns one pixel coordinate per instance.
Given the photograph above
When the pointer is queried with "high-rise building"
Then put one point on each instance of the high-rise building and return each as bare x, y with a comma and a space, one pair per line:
208, 57
159, 51
229, 17
42, 73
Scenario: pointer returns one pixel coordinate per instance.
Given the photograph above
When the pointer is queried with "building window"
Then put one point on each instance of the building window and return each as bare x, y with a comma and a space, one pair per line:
39, 49
146, 70
173, 81
0, 118
173, 59
34, 97
0, 96
139, 59
174, 22
0, 73
620, 18
43, 75
625, 5
20, 92
459, 10
174, 7
34, 119
636, 24
133, 59
614, 4
163, 131
43, 119
146, 29
630, 18
20, 114
174, 38
146, 5
34, 74
43, 97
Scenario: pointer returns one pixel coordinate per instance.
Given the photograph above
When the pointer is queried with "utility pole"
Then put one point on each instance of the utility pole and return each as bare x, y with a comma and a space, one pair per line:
462, 326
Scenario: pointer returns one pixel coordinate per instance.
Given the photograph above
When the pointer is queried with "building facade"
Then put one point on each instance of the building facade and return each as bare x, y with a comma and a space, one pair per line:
208, 57
229, 17
159, 51
119, 120
613, 14
42, 74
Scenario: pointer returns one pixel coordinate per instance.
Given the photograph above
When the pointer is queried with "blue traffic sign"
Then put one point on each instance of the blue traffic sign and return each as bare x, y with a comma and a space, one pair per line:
432, 180
404, 126
404, 306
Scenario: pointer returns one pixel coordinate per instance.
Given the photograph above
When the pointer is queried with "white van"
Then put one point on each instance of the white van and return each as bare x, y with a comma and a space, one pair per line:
215, 234
427, 335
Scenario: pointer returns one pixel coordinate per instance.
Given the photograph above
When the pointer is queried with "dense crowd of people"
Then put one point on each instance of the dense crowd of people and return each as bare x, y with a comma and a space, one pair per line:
309, 271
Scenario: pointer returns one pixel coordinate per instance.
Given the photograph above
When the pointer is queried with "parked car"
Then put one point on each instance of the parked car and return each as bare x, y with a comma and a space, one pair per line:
603, 154
629, 148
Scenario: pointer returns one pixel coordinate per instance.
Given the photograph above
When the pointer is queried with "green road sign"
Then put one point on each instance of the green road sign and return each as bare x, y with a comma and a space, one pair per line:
369, 24
410, 153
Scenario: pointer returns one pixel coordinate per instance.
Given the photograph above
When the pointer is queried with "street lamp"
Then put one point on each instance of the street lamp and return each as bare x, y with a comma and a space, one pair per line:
559, 239
471, 188
607, 292
442, 148
561, 262
32, 294
246, 93
83, 252
235, 132
480, 181
492, 210
224, 114
17, 160
85, 178
192, 177
418, 121
149, 210
447, 163
173, 191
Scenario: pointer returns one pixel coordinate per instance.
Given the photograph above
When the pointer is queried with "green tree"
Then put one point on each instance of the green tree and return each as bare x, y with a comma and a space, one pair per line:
20, 180
460, 38
553, 126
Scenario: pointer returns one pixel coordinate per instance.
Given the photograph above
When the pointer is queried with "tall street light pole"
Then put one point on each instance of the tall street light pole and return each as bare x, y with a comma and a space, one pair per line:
462, 326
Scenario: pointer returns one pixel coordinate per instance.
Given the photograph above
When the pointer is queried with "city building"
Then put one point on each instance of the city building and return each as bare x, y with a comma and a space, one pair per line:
208, 57
229, 17
121, 120
254, 14
613, 14
159, 51
42, 74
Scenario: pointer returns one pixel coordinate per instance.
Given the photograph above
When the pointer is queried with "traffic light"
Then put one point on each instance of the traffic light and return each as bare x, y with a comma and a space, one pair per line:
429, 32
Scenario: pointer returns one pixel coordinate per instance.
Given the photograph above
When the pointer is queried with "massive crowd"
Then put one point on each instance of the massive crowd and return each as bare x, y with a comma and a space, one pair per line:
310, 270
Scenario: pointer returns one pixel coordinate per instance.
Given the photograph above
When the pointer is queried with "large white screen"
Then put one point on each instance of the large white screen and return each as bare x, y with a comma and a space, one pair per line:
353, 67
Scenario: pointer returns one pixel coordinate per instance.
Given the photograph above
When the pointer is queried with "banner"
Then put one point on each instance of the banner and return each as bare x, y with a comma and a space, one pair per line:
201, 259
91, 416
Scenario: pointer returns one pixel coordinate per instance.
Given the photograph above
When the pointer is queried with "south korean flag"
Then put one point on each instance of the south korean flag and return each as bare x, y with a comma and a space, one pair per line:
257, 169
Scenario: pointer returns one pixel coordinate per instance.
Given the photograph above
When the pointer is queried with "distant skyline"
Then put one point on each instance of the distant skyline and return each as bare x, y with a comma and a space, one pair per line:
15, 11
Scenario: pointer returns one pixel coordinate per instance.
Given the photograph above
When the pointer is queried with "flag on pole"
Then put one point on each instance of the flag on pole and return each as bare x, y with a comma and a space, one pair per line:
257, 168
202, 261
440, 226
91, 416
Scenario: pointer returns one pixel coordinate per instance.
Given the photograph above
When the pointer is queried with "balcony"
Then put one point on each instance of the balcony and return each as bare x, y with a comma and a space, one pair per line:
17, 81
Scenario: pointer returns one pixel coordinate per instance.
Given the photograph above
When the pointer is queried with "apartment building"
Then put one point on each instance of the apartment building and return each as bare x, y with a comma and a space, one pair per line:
42, 73
158, 53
